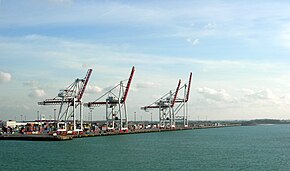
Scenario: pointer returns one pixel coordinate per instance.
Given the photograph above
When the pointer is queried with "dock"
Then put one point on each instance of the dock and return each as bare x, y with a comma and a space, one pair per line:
50, 137
35, 137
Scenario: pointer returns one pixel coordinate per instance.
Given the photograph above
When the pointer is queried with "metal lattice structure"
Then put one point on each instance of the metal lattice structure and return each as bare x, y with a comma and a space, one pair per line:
70, 101
115, 102
165, 104
181, 103
171, 104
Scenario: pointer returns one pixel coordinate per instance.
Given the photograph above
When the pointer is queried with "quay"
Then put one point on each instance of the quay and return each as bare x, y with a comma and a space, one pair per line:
35, 137
64, 137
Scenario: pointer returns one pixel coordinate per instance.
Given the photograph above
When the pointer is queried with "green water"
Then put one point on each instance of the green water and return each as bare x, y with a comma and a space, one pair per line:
265, 147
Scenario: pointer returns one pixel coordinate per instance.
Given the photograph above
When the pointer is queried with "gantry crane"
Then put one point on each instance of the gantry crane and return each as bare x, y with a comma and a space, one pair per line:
165, 104
70, 101
168, 110
115, 102
182, 102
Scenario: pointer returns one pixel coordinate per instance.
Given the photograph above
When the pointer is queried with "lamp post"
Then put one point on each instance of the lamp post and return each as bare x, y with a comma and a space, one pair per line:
54, 114
91, 112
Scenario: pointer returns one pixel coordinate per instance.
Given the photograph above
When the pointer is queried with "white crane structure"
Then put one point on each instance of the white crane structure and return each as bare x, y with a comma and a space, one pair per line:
71, 105
115, 102
171, 104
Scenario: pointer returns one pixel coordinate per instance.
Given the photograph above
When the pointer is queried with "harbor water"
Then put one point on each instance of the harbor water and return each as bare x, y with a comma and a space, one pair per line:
263, 147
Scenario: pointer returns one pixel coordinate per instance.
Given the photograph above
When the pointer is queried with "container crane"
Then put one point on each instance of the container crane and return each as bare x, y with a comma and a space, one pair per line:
115, 102
182, 102
70, 100
171, 104
165, 104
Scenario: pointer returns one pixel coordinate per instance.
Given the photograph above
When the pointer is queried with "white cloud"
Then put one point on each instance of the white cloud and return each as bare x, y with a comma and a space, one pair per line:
61, 49
5, 77
215, 95
248, 91
193, 41
36, 93
265, 94
69, 11
210, 26
93, 89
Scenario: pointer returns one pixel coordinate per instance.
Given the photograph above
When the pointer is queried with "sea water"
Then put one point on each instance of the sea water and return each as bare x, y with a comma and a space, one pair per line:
263, 147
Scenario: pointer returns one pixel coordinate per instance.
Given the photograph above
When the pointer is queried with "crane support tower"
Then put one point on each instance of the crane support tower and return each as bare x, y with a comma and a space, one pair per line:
115, 102
171, 104
165, 104
182, 103
70, 101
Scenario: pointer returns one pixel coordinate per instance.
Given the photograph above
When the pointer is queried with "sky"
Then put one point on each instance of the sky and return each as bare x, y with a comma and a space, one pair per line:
238, 52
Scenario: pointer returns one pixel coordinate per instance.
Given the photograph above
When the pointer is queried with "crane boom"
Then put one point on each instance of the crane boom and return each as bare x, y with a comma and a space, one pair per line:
128, 85
158, 103
54, 102
188, 88
69, 100
86, 79
122, 99
67, 95
168, 110
176, 92
114, 101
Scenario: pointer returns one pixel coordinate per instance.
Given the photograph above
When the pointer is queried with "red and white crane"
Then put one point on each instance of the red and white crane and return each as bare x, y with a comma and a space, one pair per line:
182, 102
70, 101
115, 101
170, 105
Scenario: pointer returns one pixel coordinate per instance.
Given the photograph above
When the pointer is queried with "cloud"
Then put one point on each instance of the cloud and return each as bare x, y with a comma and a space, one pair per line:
60, 49
215, 95
247, 91
265, 94
193, 41
93, 89
5, 77
70, 11
266, 98
147, 85
210, 26
36, 93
